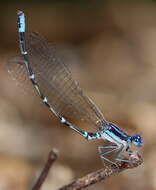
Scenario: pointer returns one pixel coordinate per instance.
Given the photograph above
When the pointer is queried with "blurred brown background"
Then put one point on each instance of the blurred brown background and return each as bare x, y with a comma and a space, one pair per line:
112, 46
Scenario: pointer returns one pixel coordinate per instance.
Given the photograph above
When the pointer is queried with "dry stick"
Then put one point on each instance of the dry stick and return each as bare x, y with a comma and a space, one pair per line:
104, 173
51, 158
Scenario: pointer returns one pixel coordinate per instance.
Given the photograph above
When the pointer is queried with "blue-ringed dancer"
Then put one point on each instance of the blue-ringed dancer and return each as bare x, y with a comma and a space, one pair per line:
64, 98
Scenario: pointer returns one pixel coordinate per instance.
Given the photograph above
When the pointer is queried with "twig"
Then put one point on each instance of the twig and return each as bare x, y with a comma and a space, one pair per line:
51, 158
102, 174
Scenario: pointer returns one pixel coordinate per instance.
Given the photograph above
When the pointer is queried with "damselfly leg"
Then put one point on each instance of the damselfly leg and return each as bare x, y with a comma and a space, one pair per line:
109, 149
118, 155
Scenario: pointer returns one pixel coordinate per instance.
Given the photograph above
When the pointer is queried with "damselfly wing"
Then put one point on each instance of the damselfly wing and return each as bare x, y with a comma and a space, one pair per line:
56, 81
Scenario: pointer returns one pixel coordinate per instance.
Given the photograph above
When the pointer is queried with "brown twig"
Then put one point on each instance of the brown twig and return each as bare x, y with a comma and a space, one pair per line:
51, 158
102, 174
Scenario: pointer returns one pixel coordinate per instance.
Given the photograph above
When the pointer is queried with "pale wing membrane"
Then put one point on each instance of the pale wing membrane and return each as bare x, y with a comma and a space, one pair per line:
16, 68
56, 83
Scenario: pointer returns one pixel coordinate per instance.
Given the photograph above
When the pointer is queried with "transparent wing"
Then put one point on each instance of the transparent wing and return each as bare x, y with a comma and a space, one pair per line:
16, 68
56, 82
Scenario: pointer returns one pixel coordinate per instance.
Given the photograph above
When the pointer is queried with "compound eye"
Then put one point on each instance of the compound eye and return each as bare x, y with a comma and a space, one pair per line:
137, 140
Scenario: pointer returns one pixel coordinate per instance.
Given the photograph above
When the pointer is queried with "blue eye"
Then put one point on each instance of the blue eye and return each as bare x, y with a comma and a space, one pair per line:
137, 140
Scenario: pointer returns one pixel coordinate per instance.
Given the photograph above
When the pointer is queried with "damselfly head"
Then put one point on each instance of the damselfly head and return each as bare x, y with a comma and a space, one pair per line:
137, 140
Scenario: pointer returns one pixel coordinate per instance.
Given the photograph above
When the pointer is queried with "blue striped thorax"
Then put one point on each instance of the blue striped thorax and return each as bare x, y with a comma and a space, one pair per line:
117, 134
116, 131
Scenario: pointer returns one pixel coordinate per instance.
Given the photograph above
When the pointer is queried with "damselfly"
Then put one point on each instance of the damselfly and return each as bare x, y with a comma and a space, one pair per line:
63, 96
